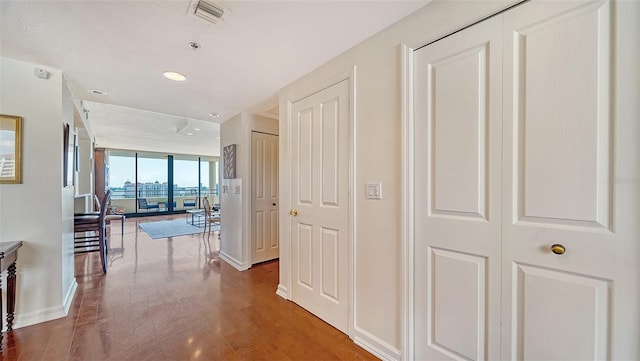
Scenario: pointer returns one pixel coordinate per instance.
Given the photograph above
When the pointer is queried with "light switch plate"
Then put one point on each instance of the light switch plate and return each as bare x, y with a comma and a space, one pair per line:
374, 190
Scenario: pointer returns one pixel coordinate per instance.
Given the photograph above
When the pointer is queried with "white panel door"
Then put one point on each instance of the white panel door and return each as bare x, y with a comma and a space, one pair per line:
264, 197
571, 180
320, 205
458, 145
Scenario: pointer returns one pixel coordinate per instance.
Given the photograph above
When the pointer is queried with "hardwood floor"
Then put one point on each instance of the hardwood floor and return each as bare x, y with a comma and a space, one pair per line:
173, 299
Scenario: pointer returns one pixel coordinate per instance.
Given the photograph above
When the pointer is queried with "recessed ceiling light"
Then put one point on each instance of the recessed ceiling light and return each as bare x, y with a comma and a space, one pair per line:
189, 133
98, 92
174, 76
214, 115
196, 128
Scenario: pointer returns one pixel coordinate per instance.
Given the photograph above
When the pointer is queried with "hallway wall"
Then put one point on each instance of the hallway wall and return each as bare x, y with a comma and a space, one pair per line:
378, 246
235, 204
40, 210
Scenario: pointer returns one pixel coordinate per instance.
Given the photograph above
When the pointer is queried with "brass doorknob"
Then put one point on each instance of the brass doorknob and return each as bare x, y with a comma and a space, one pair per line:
558, 249
293, 212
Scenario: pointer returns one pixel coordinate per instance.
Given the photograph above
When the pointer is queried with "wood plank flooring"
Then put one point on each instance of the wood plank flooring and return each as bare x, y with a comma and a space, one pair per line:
174, 299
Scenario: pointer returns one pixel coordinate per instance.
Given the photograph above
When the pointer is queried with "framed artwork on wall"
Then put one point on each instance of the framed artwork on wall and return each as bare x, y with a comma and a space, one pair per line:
229, 161
68, 155
10, 149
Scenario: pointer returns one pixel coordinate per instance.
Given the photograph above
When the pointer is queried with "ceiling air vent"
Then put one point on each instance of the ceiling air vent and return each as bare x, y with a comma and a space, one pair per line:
208, 11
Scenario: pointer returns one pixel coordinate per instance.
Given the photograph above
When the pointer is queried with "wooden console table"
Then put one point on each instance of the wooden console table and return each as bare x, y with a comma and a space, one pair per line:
8, 257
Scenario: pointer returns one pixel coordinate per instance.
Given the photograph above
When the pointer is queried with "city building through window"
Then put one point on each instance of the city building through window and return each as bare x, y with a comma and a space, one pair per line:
140, 181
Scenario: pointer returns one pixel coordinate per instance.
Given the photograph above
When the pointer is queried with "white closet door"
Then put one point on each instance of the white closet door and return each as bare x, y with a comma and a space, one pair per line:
264, 197
458, 147
320, 204
571, 179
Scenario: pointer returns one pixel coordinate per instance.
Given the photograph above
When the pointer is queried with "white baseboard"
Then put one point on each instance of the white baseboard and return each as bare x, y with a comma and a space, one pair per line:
32, 318
375, 345
240, 266
69, 297
48, 314
282, 292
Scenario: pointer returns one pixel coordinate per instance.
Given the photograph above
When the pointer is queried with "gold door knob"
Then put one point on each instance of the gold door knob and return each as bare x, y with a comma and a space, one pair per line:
558, 249
293, 212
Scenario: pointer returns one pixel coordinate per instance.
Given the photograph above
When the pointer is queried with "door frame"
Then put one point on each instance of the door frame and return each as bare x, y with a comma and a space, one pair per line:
287, 98
407, 171
249, 248
246, 227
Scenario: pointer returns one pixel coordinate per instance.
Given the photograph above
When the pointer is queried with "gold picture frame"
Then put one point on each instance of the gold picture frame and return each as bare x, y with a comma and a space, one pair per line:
10, 149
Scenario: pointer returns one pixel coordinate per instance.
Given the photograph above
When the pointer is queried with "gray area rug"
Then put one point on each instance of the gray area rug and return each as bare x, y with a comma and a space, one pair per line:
172, 228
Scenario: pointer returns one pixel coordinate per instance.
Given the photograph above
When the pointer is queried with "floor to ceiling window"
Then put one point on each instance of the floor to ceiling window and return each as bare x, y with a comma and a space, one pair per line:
209, 179
122, 180
186, 188
152, 183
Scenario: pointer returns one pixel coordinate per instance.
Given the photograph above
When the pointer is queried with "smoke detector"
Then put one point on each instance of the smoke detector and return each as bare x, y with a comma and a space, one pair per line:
208, 10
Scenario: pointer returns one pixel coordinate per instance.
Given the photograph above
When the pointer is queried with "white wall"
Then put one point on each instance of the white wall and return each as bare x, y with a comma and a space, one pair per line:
67, 253
84, 181
39, 211
235, 220
84, 178
231, 235
379, 264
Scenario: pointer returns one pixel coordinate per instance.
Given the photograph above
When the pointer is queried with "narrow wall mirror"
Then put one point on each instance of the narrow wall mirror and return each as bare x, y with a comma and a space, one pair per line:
10, 149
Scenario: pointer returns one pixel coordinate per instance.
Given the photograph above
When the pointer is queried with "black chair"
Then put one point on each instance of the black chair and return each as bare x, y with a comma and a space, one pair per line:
96, 224
112, 214
163, 204
143, 204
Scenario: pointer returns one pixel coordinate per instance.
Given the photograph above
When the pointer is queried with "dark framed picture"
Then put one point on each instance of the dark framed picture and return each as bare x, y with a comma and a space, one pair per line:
68, 156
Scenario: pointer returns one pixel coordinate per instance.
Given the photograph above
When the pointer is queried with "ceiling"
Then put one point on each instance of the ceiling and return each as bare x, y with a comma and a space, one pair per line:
123, 47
